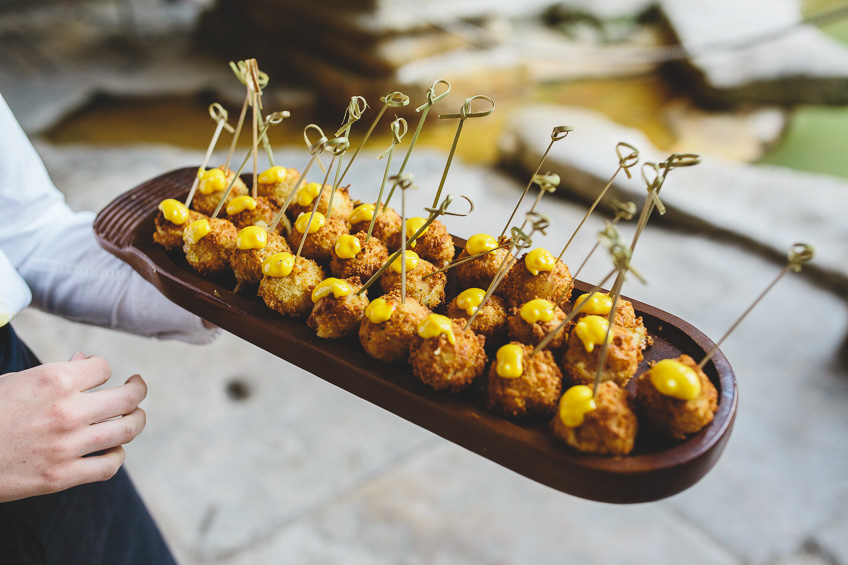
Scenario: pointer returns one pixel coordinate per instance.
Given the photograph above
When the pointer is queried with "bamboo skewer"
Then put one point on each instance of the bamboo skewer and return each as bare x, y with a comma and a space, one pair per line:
314, 150
219, 114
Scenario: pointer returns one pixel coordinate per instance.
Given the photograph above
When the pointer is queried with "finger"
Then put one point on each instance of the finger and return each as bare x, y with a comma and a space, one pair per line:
77, 356
112, 433
96, 468
90, 372
111, 402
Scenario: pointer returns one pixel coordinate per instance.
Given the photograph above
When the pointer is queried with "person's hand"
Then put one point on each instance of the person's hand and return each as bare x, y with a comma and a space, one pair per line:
49, 422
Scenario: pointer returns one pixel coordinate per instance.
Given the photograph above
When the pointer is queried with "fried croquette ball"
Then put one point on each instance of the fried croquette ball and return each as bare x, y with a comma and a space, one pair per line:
170, 235
207, 244
605, 425
428, 291
538, 274
247, 256
245, 211
338, 309
322, 236
386, 225
522, 384
388, 328
435, 244
276, 184
351, 256
490, 322
583, 350
287, 285
625, 316
534, 320
213, 183
445, 356
479, 272
675, 399
305, 197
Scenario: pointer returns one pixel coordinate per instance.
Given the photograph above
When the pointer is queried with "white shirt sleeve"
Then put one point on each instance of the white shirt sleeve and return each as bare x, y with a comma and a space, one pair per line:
55, 252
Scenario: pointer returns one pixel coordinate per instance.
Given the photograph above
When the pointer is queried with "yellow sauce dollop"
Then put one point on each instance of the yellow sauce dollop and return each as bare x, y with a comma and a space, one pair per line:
347, 246
480, 243
380, 310
174, 211
278, 265
308, 194
197, 230
537, 310
362, 213
575, 404
240, 204
673, 378
412, 226
411, 262
435, 325
252, 237
334, 286
592, 330
274, 175
539, 260
598, 304
510, 361
470, 299
213, 180
302, 220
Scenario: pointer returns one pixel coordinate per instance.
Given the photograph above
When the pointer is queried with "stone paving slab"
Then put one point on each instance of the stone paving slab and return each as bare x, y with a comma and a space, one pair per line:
756, 51
302, 472
770, 207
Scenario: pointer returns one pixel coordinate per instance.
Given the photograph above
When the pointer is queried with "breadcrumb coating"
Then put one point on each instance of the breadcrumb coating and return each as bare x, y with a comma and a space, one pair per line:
521, 286
447, 366
170, 236
535, 393
342, 204
435, 245
291, 295
247, 263
278, 192
610, 429
674, 418
334, 318
623, 355
368, 261
211, 255
490, 322
390, 340
480, 272
206, 203
385, 228
532, 334
319, 245
430, 292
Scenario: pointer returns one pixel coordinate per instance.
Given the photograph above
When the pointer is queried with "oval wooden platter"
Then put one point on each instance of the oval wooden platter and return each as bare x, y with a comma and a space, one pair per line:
653, 471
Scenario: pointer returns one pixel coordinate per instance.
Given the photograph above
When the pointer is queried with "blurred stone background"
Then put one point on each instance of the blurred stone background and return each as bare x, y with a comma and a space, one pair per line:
247, 459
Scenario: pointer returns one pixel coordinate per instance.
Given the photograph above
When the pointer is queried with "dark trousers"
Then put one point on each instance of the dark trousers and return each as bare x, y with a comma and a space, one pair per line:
99, 523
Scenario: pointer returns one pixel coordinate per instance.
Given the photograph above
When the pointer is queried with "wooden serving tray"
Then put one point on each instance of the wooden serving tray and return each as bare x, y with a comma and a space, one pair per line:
653, 471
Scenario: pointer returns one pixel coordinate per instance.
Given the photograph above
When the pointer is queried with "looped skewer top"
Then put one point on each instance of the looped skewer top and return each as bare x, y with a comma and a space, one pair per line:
220, 115
442, 210
465, 112
277, 117
629, 160
676, 160
313, 147
619, 251
337, 145
395, 99
398, 128
799, 254
240, 69
624, 210
559, 132
355, 109
547, 182
432, 97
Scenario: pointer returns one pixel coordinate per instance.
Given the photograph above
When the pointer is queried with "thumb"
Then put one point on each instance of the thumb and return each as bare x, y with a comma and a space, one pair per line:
78, 356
